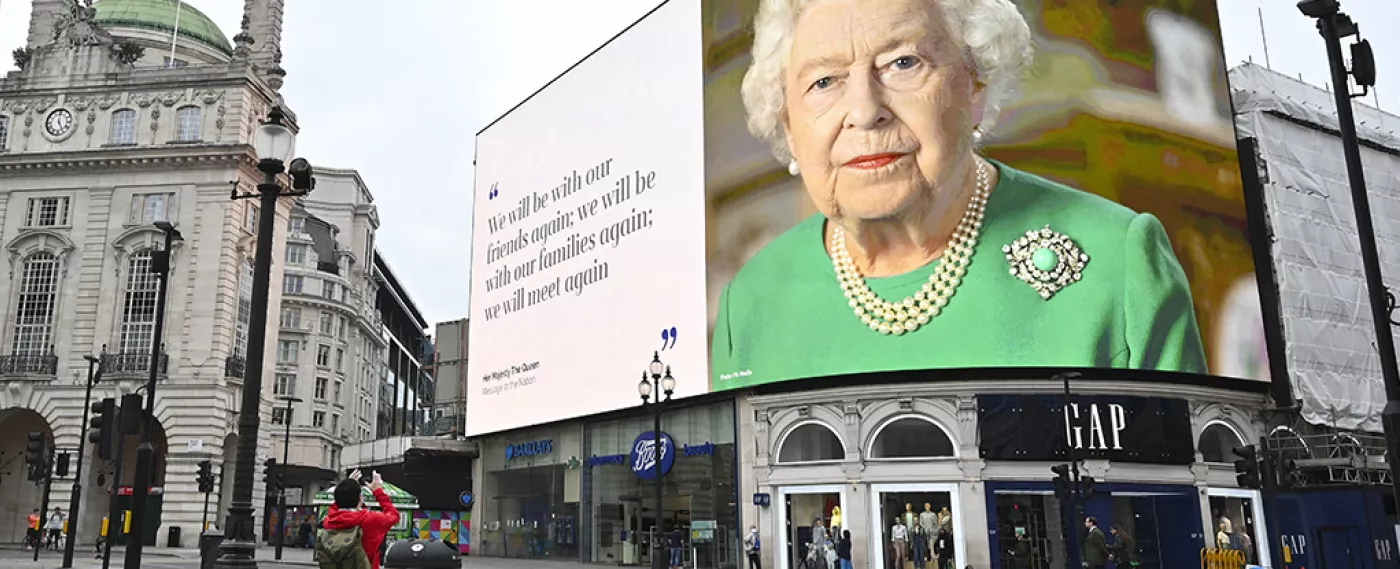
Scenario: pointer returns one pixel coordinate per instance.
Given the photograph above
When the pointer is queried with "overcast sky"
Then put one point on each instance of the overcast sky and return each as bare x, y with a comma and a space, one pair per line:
399, 90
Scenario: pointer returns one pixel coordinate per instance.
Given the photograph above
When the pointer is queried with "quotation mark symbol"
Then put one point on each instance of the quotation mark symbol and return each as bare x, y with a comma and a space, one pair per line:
494, 192
668, 335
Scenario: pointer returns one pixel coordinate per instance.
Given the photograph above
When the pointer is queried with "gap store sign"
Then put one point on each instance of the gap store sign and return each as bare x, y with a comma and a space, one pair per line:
645, 455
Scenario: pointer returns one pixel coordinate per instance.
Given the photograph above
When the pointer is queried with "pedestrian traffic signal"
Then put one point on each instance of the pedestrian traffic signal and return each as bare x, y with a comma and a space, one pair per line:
206, 476
61, 470
35, 449
1086, 487
1061, 480
1247, 467
102, 428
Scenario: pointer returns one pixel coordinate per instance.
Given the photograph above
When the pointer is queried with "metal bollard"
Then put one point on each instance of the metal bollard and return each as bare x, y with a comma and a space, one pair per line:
209, 542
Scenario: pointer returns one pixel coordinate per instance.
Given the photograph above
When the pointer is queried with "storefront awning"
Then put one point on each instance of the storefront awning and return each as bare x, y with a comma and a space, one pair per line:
400, 498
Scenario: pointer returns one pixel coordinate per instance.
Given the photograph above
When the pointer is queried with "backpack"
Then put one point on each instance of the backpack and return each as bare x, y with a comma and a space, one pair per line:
1235, 543
341, 549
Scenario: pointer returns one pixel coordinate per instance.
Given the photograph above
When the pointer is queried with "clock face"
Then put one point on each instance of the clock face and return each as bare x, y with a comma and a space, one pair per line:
59, 122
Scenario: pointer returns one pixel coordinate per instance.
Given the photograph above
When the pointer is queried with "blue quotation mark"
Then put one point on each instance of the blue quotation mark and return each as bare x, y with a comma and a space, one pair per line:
494, 192
668, 335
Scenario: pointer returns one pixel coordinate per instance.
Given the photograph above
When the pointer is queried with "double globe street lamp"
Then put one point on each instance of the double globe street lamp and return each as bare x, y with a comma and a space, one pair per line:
656, 388
275, 144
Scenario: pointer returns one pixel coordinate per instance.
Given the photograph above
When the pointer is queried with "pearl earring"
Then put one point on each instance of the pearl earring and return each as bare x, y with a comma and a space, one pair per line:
977, 134
793, 169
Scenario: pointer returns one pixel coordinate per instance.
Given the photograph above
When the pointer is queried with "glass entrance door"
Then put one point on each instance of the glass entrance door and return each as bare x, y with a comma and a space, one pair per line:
799, 510
915, 526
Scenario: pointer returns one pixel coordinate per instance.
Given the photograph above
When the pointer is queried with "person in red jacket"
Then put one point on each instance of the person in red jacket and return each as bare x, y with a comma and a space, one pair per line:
349, 512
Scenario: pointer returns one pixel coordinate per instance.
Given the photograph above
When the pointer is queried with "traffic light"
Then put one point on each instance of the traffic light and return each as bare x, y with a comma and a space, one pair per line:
206, 476
272, 476
102, 427
34, 451
1284, 468
1062, 481
1086, 487
61, 470
1247, 467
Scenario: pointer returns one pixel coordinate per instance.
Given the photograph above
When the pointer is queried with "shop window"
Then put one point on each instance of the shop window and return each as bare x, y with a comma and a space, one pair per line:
911, 437
620, 519
1217, 444
811, 442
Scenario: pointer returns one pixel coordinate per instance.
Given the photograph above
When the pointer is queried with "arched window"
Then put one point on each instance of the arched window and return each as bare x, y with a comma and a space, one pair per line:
911, 437
245, 310
4, 132
811, 442
123, 128
138, 326
34, 305
1217, 443
188, 123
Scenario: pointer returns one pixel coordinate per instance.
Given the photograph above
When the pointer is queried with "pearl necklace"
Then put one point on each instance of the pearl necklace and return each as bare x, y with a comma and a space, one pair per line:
914, 311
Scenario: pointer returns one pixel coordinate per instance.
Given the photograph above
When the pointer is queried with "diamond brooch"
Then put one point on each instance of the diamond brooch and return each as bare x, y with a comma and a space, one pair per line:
1047, 260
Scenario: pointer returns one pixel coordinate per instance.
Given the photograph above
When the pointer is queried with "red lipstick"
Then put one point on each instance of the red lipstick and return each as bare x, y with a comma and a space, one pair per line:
874, 161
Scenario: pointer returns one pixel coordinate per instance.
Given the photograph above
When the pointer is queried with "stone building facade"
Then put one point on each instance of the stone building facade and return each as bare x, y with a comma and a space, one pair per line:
102, 134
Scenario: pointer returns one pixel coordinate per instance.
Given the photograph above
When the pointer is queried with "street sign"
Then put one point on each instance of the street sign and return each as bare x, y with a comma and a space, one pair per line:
196, 445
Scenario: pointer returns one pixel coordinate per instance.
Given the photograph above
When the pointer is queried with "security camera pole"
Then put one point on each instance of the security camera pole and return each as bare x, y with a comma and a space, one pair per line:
1334, 25
275, 143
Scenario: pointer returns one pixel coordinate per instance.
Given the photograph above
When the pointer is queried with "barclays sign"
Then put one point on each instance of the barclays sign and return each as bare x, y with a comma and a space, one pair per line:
648, 462
533, 448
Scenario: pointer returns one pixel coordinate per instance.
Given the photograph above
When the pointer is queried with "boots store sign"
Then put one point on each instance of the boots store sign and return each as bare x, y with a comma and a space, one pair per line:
1127, 429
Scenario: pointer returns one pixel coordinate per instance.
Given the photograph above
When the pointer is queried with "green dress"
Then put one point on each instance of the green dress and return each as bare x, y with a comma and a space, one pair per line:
784, 315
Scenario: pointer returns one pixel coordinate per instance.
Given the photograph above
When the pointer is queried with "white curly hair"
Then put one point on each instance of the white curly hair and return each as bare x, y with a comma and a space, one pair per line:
993, 33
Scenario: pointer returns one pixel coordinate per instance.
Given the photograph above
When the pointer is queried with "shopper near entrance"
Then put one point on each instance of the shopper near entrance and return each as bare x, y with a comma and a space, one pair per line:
675, 544
1124, 548
352, 534
55, 527
843, 550
31, 534
923, 253
753, 548
1095, 545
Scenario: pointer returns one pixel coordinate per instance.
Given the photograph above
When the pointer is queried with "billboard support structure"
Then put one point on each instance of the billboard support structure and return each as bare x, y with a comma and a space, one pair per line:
1332, 23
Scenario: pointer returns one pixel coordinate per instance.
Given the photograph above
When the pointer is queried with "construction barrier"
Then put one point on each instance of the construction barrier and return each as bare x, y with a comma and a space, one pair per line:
1222, 559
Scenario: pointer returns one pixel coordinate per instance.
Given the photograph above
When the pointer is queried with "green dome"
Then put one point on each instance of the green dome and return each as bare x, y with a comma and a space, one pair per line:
159, 15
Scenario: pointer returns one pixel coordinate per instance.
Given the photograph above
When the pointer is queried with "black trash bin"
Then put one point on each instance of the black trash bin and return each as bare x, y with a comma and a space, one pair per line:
209, 543
173, 541
422, 554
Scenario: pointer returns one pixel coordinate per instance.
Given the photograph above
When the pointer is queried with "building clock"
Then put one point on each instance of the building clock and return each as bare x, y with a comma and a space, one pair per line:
59, 123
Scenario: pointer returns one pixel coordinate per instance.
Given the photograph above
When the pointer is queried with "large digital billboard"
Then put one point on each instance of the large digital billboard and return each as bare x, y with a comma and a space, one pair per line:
764, 191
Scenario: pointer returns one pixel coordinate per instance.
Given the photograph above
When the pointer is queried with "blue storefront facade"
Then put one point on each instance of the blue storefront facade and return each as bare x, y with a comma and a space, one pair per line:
585, 490
1334, 528
1164, 520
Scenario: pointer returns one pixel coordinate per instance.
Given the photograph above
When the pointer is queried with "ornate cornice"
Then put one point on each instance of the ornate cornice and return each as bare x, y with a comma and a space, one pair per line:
127, 159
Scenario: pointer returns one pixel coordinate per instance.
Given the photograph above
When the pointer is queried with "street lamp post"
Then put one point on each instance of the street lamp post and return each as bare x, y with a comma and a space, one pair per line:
145, 453
75, 500
656, 388
282, 474
1335, 25
274, 143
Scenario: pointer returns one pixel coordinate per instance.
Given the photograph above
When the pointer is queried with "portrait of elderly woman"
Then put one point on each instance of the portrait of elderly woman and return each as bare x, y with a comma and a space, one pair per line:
924, 253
